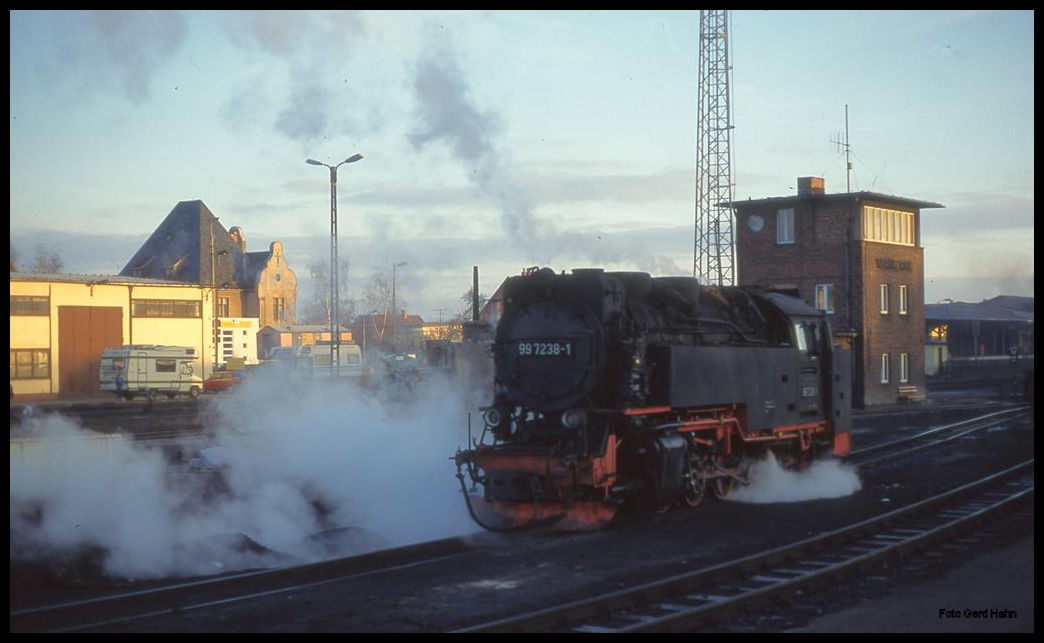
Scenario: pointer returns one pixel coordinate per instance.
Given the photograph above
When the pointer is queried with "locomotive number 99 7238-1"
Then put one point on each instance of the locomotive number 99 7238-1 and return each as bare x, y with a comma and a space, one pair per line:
545, 348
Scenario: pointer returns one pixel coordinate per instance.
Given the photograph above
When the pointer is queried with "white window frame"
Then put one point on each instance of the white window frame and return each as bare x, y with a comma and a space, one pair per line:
904, 368
884, 299
903, 300
885, 225
824, 302
885, 364
784, 226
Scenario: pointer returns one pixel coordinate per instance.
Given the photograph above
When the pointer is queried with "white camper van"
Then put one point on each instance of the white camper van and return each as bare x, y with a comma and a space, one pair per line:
314, 360
149, 369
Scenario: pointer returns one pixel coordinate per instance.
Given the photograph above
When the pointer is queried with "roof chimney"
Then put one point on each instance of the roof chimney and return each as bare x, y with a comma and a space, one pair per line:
474, 294
811, 185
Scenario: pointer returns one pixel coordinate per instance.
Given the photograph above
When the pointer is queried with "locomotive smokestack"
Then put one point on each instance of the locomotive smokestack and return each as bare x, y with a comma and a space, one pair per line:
474, 294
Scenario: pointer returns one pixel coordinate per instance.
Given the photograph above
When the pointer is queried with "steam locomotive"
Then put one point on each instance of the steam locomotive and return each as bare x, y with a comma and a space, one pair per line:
617, 390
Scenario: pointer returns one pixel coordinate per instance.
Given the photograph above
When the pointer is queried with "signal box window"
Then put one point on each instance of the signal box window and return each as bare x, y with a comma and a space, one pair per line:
884, 299
885, 363
823, 299
785, 226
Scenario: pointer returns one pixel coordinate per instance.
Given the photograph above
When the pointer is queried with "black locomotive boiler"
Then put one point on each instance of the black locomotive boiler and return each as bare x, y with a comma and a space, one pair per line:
617, 389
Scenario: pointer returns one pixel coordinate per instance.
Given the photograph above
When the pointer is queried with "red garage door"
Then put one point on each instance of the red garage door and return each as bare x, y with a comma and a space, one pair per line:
83, 332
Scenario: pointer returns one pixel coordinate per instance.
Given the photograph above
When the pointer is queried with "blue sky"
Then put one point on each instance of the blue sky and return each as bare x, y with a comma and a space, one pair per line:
510, 139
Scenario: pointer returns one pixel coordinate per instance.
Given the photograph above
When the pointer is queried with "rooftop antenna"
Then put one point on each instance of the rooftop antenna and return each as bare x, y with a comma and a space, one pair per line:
844, 144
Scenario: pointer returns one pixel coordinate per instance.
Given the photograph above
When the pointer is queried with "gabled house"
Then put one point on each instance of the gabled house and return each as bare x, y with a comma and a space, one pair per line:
191, 246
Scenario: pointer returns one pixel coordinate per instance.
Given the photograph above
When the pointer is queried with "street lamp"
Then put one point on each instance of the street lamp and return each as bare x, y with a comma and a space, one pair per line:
395, 311
367, 318
215, 325
335, 313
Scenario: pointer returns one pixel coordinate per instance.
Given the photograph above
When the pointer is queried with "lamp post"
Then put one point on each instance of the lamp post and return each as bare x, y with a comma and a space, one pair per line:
367, 318
440, 332
215, 335
335, 313
395, 311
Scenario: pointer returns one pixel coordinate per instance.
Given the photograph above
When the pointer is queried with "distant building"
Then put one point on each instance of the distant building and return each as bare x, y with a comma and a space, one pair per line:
192, 246
272, 337
192, 283
238, 339
859, 257
450, 331
983, 341
390, 334
60, 324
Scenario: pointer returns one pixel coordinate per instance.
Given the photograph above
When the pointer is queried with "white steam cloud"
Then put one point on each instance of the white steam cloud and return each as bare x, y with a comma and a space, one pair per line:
302, 473
770, 482
447, 113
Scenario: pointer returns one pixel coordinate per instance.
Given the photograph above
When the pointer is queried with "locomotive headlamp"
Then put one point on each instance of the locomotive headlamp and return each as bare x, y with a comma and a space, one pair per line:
574, 418
494, 417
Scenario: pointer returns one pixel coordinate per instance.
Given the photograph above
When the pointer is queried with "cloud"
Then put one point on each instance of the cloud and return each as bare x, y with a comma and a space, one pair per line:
121, 48
306, 115
312, 49
276, 32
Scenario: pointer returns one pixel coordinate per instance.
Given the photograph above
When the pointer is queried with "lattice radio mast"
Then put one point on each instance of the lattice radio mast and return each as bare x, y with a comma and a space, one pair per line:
714, 247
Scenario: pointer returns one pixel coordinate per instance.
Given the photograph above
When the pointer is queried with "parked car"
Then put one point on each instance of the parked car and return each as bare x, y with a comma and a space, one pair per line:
223, 380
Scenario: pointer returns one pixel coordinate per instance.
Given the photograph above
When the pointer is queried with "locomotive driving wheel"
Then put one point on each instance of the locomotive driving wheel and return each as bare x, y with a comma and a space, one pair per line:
722, 485
694, 488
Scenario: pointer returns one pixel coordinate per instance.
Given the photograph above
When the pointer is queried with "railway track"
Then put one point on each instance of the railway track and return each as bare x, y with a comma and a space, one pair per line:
162, 420
667, 604
935, 436
111, 610
689, 601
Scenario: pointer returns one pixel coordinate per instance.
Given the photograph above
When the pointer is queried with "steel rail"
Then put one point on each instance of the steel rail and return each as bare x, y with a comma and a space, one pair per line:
102, 611
933, 436
682, 600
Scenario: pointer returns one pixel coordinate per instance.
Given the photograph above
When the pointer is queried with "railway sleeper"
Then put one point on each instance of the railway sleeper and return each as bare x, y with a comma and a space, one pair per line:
795, 573
710, 598
893, 537
674, 607
595, 629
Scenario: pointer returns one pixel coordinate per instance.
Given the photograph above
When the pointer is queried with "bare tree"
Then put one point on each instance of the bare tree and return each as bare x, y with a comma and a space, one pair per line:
46, 261
467, 302
377, 298
317, 309
378, 293
14, 259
